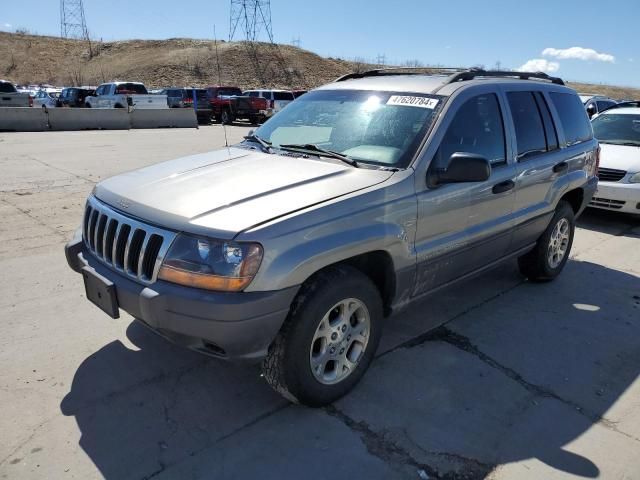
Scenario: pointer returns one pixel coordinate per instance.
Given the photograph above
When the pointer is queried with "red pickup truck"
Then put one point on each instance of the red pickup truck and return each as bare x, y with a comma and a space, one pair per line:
228, 105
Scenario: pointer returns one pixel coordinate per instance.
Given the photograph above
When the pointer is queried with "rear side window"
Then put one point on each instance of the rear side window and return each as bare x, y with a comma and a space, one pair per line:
283, 96
476, 128
573, 117
6, 88
527, 121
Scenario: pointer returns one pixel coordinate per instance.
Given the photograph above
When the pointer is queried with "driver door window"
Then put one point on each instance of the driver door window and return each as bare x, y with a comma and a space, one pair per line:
476, 128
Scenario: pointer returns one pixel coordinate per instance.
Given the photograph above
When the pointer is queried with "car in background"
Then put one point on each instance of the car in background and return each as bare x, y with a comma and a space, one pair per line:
46, 98
178, 97
624, 104
618, 131
123, 95
298, 93
218, 97
276, 99
10, 97
596, 103
75, 97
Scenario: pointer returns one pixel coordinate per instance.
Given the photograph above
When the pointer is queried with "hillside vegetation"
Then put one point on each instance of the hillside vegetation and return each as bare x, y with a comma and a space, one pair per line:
183, 62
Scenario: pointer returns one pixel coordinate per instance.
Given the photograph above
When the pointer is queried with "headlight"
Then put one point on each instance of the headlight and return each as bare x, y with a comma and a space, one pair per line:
635, 178
211, 264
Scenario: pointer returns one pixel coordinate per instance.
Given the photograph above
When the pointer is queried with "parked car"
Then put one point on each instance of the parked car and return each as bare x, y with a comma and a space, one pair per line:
276, 99
46, 98
594, 104
183, 98
219, 100
10, 97
253, 109
123, 95
75, 97
298, 93
623, 104
359, 198
618, 131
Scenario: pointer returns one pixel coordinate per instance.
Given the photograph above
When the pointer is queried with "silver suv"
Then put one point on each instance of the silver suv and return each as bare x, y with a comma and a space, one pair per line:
358, 199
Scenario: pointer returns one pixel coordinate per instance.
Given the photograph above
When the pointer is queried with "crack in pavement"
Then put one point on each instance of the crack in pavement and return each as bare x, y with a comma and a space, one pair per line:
207, 445
35, 219
446, 335
391, 453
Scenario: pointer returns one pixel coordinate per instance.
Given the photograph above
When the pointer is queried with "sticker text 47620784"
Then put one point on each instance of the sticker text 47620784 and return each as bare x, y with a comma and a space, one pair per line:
412, 101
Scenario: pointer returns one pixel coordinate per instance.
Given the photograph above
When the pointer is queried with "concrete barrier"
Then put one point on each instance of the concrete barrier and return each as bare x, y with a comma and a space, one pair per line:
88, 119
23, 119
161, 118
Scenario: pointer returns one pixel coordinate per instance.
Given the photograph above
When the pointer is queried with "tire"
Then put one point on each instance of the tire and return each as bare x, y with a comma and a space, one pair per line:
225, 117
301, 343
542, 264
253, 120
117, 105
87, 105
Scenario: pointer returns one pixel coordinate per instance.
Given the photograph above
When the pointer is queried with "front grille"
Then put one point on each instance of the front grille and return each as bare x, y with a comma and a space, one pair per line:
607, 203
610, 174
123, 243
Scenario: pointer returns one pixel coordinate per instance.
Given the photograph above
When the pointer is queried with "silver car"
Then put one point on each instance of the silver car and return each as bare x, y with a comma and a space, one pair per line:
360, 198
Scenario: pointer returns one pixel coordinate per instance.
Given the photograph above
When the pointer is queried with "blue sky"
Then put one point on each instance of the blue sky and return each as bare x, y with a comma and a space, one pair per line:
602, 36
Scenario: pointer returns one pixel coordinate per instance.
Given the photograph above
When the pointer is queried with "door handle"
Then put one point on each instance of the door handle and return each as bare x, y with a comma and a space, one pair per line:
503, 186
561, 167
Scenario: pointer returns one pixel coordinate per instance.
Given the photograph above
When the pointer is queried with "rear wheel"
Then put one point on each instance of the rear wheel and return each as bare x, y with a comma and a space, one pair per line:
329, 338
548, 258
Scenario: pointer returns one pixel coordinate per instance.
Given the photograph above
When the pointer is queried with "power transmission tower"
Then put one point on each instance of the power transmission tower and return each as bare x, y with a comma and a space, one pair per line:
72, 21
381, 59
296, 42
253, 17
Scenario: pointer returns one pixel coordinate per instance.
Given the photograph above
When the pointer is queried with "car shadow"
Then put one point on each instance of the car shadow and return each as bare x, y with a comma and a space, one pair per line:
547, 373
608, 222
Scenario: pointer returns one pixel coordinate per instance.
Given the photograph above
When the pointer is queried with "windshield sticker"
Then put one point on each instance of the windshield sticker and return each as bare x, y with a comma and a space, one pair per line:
410, 101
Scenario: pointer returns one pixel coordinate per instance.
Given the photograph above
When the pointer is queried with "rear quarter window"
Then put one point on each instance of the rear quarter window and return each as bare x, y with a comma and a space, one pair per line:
6, 88
283, 96
573, 117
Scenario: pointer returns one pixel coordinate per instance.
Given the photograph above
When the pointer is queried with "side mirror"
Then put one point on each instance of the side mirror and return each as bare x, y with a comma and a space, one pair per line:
462, 167
591, 110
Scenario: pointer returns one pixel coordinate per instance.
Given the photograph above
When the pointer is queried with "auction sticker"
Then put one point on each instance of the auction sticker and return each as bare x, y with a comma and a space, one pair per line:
411, 101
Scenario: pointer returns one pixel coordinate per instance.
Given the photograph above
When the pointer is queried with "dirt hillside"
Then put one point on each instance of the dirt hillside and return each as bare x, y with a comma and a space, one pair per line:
182, 62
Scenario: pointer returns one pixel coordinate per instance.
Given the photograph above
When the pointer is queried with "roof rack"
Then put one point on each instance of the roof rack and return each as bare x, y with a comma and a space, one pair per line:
456, 74
378, 72
472, 73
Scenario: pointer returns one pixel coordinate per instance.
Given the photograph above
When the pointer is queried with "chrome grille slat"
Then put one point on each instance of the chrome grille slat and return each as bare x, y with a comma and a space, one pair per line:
123, 243
143, 249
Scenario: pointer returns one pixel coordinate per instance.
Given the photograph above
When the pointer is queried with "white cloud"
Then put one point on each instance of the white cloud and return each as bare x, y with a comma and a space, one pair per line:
578, 53
5, 26
539, 65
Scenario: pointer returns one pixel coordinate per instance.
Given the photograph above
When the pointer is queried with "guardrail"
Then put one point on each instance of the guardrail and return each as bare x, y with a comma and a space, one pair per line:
28, 119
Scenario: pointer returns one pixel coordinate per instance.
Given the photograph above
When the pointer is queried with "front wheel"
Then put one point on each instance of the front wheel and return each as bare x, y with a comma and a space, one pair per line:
548, 258
329, 338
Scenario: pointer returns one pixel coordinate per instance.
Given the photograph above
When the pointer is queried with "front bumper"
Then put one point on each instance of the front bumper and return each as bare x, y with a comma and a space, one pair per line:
234, 326
616, 196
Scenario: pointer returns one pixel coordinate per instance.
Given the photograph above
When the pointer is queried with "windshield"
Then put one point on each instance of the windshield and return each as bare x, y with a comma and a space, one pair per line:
6, 88
618, 128
383, 128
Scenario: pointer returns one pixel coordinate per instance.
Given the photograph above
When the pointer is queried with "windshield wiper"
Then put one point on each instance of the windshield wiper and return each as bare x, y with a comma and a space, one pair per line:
327, 153
266, 146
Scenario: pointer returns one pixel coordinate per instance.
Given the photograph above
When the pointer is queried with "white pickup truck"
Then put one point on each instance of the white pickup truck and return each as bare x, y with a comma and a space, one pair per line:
9, 96
123, 95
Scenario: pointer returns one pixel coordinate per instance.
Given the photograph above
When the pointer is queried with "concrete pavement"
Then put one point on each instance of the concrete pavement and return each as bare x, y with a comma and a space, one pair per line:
523, 380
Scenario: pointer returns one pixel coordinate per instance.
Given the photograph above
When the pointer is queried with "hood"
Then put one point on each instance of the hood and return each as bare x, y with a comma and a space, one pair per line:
620, 157
224, 192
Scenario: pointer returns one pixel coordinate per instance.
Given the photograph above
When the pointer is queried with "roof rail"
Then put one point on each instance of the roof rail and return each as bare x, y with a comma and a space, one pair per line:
399, 71
456, 74
472, 73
